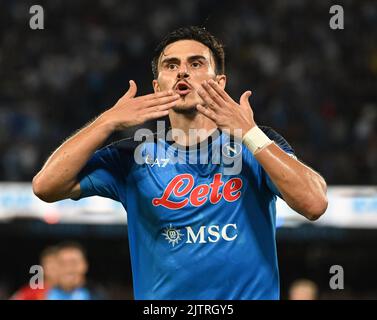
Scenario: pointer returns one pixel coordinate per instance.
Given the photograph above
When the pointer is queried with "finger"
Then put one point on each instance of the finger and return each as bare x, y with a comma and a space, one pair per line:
213, 94
131, 92
156, 115
161, 107
226, 97
157, 95
207, 112
162, 101
244, 100
207, 99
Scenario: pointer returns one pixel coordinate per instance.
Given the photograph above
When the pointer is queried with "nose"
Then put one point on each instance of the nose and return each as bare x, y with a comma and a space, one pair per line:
182, 73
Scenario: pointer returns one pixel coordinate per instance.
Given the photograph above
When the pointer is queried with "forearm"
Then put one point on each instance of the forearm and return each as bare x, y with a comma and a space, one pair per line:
58, 178
59, 174
302, 188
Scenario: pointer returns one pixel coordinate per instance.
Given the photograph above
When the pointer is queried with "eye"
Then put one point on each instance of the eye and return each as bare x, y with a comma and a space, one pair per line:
172, 66
196, 64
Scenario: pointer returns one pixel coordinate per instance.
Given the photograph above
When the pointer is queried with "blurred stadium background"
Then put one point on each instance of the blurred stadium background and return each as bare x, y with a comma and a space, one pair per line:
315, 86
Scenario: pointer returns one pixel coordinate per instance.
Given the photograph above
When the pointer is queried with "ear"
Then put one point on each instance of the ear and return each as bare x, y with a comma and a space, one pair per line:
156, 86
221, 80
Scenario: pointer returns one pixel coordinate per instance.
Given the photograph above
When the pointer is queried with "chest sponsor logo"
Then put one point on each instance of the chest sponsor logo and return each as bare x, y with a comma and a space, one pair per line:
172, 235
182, 188
204, 234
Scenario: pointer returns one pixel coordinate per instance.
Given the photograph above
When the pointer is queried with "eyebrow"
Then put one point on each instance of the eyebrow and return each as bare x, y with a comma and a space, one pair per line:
190, 59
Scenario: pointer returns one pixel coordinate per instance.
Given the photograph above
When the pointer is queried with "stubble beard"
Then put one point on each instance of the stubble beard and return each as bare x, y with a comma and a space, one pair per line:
186, 109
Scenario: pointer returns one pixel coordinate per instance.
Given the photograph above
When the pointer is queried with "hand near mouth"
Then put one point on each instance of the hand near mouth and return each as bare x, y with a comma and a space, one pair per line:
131, 110
224, 111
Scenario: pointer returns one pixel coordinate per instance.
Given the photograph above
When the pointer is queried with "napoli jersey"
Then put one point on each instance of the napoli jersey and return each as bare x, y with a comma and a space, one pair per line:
76, 294
196, 230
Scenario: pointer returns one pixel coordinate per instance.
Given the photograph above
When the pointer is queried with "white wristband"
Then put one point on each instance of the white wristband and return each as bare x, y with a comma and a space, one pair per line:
255, 139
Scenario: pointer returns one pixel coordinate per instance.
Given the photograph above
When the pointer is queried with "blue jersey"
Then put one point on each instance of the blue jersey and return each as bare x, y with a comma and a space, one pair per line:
76, 294
195, 231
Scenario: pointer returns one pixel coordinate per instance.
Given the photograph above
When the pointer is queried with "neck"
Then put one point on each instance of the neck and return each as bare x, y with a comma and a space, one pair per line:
190, 128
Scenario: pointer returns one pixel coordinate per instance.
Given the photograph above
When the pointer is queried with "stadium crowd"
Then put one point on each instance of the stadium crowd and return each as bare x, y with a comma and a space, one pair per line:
314, 85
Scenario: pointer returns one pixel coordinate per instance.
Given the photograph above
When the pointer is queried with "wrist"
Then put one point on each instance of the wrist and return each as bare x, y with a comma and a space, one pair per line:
245, 130
255, 139
106, 123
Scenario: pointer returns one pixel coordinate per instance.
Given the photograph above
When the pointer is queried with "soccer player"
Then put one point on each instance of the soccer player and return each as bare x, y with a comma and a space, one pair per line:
73, 266
195, 231
48, 261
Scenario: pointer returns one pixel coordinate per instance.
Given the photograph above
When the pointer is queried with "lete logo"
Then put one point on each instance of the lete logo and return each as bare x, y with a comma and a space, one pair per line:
182, 186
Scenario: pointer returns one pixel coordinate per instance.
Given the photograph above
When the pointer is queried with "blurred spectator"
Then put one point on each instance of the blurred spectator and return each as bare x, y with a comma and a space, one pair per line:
303, 289
72, 283
48, 261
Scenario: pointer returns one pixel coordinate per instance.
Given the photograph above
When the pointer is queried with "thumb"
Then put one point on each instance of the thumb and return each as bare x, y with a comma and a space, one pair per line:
244, 100
131, 92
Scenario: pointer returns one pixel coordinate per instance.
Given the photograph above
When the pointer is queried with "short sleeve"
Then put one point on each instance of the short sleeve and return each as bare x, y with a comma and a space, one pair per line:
284, 145
101, 176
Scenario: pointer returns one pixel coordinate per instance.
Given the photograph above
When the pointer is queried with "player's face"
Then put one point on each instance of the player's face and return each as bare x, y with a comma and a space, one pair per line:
73, 267
182, 67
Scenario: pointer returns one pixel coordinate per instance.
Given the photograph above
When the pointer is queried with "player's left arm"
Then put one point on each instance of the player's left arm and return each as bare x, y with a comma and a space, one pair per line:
301, 187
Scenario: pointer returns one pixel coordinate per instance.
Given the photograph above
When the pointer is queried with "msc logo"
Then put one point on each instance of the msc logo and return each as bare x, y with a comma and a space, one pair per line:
204, 234
212, 234
172, 234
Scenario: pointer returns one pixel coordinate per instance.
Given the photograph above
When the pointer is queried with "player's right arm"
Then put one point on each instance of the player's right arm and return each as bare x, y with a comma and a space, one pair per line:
58, 178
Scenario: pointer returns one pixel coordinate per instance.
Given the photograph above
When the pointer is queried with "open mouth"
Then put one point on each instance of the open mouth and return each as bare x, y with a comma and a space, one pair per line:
182, 88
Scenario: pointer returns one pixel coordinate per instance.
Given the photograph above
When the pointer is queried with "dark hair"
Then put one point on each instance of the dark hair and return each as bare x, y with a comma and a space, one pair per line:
192, 33
47, 252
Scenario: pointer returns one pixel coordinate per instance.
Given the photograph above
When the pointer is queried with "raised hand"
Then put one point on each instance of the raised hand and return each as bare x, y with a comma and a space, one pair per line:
131, 111
224, 111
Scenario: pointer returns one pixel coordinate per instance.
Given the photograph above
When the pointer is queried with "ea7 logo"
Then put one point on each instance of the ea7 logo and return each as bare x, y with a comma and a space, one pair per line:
159, 162
212, 233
